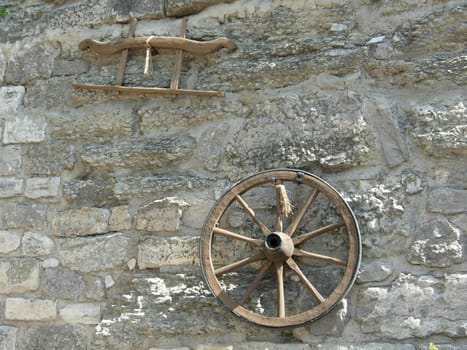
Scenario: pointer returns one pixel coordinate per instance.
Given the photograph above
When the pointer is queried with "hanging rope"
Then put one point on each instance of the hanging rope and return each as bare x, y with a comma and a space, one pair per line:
148, 61
285, 206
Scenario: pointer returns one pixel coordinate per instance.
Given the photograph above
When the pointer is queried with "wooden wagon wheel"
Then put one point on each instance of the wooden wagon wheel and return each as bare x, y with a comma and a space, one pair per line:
280, 248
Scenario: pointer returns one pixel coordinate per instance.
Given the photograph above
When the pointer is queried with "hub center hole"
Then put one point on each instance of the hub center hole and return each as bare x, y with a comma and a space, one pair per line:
273, 241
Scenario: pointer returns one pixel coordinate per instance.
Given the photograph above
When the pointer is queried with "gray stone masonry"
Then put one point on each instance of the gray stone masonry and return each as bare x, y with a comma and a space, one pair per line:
104, 196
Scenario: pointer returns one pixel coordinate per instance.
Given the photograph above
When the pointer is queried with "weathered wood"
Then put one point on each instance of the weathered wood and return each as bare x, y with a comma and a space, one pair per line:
275, 255
168, 43
124, 54
149, 90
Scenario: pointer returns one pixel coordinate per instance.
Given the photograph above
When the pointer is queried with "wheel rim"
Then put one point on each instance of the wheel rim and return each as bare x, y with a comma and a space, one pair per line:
263, 265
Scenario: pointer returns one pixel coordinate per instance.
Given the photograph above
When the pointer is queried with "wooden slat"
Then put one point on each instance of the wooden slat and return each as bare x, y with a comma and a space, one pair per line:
178, 58
124, 54
149, 90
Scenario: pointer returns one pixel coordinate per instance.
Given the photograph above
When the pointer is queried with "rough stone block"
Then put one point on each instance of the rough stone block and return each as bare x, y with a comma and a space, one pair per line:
196, 213
161, 215
177, 8
93, 123
447, 201
331, 135
8, 337
90, 192
10, 160
56, 337
133, 187
29, 216
154, 252
120, 219
436, 244
69, 67
440, 131
19, 275
63, 284
96, 253
84, 313
37, 244
331, 325
42, 187
20, 309
147, 9
178, 304
49, 159
139, 154
254, 345
414, 306
9, 242
11, 98
24, 67
10, 187
81, 222
387, 116
24, 128
2, 67
374, 271
368, 346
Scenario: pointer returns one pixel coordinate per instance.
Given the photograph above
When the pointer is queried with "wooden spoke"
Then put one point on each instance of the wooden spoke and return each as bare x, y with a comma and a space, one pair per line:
255, 283
305, 237
252, 214
280, 290
279, 226
229, 234
238, 264
296, 220
304, 254
295, 268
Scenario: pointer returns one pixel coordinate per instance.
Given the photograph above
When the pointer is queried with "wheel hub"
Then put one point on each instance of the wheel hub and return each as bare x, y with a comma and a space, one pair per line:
278, 246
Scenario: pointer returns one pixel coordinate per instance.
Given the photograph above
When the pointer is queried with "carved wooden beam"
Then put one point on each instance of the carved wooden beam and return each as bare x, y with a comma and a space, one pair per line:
168, 43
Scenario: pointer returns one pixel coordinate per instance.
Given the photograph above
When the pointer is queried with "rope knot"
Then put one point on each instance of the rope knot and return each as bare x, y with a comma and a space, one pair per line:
148, 70
283, 201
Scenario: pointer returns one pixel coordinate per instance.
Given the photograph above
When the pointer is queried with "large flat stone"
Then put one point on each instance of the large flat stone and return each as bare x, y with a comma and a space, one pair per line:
19, 275
97, 122
414, 306
42, 187
440, 130
447, 201
24, 128
436, 244
21, 309
49, 159
8, 337
29, 216
96, 253
10, 187
138, 154
83, 313
160, 215
56, 337
10, 160
81, 222
331, 135
11, 98
24, 67
155, 252
9, 241
60, 283
37, 244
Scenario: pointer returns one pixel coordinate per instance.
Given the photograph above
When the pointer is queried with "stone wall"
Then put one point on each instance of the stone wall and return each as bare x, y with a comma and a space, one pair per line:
103, 196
